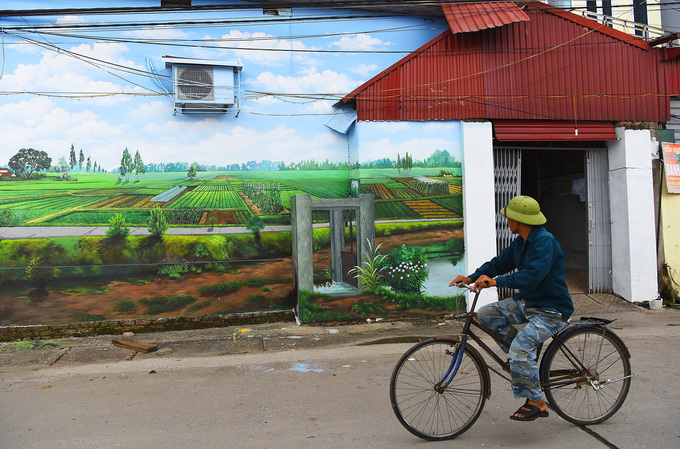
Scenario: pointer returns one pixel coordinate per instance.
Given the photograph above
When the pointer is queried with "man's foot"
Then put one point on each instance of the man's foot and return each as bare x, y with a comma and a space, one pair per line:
531, 410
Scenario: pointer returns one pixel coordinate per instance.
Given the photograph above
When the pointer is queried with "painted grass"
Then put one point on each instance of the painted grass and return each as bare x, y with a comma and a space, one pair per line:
392, 210
210, 199
321, 187
80, 218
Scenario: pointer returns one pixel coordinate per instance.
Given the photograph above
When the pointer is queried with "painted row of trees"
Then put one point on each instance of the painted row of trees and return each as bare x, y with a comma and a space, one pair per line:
29, 160
72, 162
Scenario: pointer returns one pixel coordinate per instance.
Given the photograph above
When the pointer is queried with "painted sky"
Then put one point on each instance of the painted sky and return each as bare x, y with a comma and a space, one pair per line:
90, 86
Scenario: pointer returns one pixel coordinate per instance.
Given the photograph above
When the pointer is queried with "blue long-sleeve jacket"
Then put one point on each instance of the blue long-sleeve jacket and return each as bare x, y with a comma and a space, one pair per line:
540, 271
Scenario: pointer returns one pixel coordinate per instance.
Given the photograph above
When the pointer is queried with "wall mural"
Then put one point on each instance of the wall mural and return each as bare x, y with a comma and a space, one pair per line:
115, 203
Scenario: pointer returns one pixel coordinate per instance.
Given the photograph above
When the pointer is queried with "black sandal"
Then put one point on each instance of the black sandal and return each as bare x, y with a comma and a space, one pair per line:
530, 412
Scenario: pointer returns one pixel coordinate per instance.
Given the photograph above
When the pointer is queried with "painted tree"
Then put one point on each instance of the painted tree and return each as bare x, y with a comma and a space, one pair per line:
28, 160
192, 172
72, 157
126, 165
138, 165
407, 164
63, 168
255, 224
398, 164
81, 160
89, 164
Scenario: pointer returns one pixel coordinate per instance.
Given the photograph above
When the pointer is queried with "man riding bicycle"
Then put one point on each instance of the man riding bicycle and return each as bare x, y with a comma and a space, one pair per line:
543, 301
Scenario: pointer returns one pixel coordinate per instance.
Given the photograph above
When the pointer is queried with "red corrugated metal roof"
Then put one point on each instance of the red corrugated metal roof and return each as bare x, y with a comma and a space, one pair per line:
468, 17
551, 130
548, 68
671, 68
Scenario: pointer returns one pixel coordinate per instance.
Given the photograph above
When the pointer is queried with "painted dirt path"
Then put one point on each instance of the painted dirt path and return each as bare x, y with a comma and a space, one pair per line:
95, 299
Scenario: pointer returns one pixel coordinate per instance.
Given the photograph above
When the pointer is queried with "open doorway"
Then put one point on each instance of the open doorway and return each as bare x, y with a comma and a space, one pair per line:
571, 185
557, 179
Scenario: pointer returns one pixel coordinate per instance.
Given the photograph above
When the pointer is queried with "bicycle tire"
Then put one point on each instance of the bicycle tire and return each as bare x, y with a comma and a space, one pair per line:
580, 402
426, 412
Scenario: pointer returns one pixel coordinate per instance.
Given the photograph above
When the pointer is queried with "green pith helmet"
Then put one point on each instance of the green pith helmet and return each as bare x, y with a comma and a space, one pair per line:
524, 209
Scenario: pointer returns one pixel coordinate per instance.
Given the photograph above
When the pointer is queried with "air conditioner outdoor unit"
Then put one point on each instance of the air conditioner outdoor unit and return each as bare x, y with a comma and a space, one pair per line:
203, 85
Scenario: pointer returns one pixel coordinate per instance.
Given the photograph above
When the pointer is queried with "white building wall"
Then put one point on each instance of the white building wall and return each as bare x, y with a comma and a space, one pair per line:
634, 273
622, 14
479, 200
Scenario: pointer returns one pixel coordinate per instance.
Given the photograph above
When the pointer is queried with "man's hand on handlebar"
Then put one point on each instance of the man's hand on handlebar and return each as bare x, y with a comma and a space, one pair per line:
460, 279
481, 283
484, 281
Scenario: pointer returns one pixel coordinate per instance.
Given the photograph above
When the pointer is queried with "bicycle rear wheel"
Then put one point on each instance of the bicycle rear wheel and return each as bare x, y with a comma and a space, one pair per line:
576, 396
429, 409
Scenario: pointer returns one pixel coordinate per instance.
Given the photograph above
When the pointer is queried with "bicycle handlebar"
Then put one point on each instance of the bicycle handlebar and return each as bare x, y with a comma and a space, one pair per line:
466, 286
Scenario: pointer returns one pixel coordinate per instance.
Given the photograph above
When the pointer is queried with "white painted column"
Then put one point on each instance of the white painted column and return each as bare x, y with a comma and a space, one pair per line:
479, 200
633, 229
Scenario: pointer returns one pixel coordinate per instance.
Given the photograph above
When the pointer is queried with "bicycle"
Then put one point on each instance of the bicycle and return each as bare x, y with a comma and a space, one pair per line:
439, 386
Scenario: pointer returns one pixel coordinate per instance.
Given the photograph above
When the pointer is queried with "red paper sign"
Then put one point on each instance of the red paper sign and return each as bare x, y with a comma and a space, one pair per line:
671, 160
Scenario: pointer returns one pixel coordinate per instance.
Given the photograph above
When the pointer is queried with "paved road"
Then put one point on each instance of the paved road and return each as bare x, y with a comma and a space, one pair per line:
288, 387
42, 232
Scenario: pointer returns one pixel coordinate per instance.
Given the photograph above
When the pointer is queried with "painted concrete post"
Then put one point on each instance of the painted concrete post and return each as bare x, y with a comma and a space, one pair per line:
337, 225
479, 200
366, 228
301, 220
634, 274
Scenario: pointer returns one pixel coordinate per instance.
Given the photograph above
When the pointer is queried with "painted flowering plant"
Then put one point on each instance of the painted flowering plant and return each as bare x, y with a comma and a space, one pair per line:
407, 269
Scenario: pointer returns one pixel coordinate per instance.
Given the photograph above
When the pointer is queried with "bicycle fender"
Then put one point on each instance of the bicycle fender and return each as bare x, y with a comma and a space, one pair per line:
569, 330
485, 367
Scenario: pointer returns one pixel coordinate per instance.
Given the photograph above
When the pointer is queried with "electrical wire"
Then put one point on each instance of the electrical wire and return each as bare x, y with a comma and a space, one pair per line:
309, 97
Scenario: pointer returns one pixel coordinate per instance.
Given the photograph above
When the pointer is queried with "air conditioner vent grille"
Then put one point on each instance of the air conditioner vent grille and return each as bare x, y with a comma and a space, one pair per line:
195, 83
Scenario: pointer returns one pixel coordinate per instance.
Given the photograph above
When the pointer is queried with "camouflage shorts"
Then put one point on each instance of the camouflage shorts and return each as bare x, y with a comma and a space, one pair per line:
521, 344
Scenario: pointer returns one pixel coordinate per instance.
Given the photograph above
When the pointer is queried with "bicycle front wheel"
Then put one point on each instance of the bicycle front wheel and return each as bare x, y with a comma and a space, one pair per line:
423, 404
586, 396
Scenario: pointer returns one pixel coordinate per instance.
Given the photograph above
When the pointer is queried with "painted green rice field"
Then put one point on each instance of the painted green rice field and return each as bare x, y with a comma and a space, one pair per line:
225, 198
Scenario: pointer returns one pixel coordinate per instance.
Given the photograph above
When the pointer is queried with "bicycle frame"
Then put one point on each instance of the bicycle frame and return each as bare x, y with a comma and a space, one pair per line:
462, 342
467, 333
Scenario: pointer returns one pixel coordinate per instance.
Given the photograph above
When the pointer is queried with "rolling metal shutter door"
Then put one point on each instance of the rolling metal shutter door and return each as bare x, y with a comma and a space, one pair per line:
507, 164
599, 222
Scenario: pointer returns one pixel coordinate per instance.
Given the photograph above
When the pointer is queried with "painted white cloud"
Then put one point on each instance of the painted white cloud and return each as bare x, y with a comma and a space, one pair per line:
157, 32
360, 41
25, 48
392, 127
279, 143
72, 75
265, 49
311, 81
41, 124
364, 69
319, 108
72, 20
151, 111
